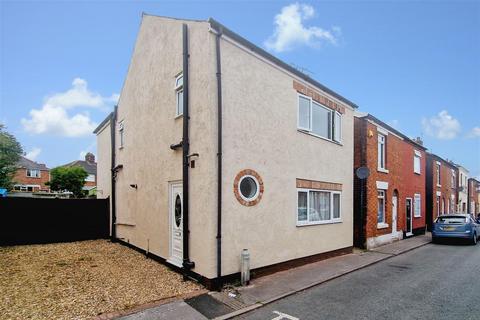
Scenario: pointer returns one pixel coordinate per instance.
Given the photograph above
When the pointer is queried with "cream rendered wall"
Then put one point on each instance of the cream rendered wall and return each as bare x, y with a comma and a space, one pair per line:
104, 182
260, 133
147, 107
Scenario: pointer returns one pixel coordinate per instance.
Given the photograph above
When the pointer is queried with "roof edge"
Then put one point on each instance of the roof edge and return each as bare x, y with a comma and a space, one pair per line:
103, 123
220, 28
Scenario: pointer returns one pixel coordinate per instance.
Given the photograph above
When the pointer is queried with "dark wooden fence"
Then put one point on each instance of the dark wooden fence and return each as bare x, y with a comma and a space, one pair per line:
30, 220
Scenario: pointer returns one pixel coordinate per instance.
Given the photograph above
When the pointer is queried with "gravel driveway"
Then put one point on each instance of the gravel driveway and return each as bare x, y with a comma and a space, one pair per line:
80, 280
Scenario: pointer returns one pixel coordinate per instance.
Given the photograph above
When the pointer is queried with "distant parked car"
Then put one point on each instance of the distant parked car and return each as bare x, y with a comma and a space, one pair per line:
462, 226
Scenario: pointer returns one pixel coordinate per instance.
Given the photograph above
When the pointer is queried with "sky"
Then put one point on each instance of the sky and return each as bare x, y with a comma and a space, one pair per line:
413, 64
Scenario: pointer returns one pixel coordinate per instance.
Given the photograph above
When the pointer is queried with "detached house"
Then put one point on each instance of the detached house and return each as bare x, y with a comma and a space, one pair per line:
217, 146
31, 176
90, 166
441, 187
390, 202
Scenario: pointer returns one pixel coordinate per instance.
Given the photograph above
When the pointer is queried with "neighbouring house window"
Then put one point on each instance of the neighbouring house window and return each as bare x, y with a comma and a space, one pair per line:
438, 173
416, 164
453, 179
381, 151
381, 206
316, 207
33, 173
448, 206
319, 120
179, 94
438, 206
417, 205
90, 178
121, 131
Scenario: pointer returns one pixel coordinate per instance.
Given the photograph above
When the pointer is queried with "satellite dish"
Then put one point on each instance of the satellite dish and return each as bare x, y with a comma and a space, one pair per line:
362, 173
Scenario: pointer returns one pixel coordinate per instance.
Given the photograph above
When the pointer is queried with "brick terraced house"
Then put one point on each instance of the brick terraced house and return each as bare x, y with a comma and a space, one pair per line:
441, 187
473, 196
390, 204
31, 176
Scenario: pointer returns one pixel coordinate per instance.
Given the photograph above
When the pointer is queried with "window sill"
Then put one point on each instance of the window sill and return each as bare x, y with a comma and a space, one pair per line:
382, 170
319, 137
417, 173
178, 116
306, 224
439, 185
416, 217
382, 225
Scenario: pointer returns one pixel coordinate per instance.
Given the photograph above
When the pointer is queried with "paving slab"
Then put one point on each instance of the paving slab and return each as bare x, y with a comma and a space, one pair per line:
173, 310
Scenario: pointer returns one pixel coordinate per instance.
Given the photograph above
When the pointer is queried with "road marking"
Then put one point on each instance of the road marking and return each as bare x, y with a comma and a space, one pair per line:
284, 316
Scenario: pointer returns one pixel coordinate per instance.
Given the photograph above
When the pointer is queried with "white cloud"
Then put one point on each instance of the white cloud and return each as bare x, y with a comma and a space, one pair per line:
290, 31
474, 133
442, 126
53, 117
33, 154
80, 96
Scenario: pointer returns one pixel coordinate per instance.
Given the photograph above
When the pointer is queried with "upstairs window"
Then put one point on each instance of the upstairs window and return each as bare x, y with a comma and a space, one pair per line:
179, 95
121, 131
438, 173
416, 162
453, 179
381, 151
32, 173
319, 120
90, 178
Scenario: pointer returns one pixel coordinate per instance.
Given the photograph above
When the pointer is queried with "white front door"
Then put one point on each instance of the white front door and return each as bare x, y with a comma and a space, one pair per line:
176, 224
394, 215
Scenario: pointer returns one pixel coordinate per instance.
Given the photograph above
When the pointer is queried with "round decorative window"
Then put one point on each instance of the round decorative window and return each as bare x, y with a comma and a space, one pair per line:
248, 187
178, 211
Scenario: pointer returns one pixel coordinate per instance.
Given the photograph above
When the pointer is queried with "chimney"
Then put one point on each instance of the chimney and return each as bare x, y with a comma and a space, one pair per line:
90, 158
418, 140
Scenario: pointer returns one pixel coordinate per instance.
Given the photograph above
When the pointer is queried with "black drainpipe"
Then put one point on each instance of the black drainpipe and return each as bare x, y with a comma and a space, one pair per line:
113, 121
187, 264
219, 167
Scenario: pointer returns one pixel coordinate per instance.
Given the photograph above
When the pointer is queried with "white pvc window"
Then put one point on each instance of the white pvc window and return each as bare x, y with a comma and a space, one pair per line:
380, 206
32, 173
381, 151
417, 205
90, 178
438, 173
318, 206
416, 164
179, 95
121, 132
453, 179
319, 120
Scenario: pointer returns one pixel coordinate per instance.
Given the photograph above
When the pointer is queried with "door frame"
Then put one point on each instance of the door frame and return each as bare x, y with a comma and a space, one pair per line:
394, 230
411, 216
171, 185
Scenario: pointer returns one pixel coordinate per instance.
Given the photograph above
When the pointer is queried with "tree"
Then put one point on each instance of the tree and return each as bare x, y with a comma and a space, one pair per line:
10, 152
69, 179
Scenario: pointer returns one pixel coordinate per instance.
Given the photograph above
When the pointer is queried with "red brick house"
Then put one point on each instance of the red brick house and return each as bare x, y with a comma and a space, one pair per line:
473, 196
31, 176
441, 187
390, 203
